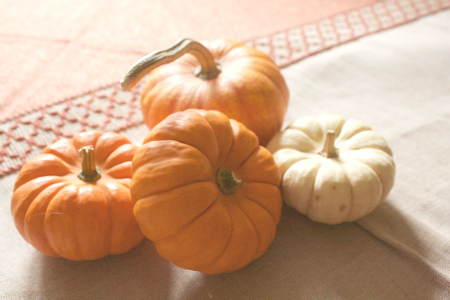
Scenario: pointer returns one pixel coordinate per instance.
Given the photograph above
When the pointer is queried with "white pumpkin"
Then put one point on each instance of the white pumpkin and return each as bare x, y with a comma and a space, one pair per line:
333, 170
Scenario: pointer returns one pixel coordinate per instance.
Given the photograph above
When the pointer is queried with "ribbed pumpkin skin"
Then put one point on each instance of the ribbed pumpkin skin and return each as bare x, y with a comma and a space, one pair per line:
179, 205
342, 188
63, 216
250, 89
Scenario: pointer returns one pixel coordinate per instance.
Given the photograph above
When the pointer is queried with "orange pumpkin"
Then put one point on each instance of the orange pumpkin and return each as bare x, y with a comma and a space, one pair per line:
228, 76
68, 207
205, 192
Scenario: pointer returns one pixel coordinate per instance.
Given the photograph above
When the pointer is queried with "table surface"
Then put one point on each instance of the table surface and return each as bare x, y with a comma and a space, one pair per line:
390, 69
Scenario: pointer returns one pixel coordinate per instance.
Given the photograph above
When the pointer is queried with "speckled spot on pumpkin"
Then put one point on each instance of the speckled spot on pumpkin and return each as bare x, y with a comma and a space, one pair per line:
317, 198
342, 207
333, 187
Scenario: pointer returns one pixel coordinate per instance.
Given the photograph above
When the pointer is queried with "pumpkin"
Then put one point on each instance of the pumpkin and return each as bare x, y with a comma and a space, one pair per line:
333, 170
228, 76
75, 203
205, 192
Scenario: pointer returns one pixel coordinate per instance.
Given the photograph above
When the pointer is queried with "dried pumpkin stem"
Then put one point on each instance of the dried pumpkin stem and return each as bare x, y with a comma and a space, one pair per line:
208, 67
227, 181
89, 172
329, 150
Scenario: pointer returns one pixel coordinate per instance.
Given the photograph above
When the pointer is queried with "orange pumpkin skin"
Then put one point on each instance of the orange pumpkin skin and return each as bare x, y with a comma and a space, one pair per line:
179, 204
64, 216
249, 89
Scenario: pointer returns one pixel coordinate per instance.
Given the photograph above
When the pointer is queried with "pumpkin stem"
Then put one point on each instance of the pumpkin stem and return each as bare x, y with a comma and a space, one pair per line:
208, 69
89, 172
328, 150
227, 181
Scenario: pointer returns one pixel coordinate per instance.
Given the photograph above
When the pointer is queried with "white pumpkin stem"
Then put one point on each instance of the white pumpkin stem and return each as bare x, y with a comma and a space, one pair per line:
89, 172
208, 67
329, 150
227, 181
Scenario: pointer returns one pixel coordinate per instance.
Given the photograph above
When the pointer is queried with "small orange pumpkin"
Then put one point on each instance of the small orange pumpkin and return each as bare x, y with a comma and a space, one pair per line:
67, 207
228, 76
205, 192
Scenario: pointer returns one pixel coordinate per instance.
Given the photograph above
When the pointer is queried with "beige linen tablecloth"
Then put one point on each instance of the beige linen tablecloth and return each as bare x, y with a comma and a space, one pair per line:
398, 82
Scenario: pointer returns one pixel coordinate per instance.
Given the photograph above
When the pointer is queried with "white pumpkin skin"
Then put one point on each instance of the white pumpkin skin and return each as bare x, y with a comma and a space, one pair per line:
343, 187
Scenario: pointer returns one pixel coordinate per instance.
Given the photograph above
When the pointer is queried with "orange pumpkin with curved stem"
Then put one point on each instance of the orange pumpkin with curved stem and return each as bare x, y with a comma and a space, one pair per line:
205, 192
228, 76
71, 202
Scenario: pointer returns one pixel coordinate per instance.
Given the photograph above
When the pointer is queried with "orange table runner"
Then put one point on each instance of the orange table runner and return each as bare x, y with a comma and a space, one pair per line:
60, 79
60, 49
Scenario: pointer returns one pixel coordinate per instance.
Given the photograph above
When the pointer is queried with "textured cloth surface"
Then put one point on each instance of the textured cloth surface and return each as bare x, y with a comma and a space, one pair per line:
398, 82
36, 113
49, 46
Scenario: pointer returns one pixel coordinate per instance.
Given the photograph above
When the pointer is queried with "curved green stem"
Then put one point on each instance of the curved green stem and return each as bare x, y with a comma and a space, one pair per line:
208, 67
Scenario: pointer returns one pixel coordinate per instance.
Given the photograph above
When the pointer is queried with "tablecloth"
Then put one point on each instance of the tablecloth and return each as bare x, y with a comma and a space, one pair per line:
396, 80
